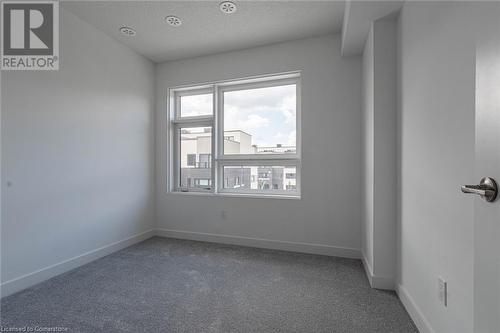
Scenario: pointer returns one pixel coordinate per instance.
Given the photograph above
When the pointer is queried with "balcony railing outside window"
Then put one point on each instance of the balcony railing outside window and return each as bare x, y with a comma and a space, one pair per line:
277, 150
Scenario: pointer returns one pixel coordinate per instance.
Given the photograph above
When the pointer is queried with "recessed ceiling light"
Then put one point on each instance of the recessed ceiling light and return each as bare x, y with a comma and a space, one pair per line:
227, 7
173, 20
127, 31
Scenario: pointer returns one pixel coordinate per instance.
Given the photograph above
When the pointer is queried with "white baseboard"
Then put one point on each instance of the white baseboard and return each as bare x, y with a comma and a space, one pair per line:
413, 310
376, 281
28, 280
262, 243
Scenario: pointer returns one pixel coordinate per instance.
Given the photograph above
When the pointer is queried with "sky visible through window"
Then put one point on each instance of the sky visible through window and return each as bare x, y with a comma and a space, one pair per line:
268, 114
196, 105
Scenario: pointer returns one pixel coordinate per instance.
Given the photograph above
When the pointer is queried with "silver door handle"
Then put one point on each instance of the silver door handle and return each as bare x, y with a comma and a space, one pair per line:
487, 189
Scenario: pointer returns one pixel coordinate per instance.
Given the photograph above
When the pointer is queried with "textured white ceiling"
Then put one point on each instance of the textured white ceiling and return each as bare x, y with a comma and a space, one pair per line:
205, 29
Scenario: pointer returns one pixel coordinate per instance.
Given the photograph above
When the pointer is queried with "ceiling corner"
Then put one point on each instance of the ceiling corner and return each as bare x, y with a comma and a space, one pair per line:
358, 17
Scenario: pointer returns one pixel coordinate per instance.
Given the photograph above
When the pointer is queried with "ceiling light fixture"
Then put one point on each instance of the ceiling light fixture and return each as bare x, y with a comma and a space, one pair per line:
227, 7
173, 20
127, 31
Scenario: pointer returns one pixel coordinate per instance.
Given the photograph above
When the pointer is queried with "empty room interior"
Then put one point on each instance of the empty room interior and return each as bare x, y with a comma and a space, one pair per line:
250, 166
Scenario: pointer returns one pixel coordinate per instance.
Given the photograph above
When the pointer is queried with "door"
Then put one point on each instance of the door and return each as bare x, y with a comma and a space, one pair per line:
487, 214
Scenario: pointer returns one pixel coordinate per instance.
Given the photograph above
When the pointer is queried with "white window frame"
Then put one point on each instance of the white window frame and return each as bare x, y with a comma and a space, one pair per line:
177, 123
215, 121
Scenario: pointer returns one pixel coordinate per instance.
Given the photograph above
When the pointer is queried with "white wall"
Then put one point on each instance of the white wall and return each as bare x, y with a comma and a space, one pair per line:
368, 153
77, 151
437, 103
327, 218
385, 181
378, 232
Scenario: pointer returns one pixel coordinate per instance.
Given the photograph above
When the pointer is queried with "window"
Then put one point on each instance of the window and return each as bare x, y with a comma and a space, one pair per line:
261, 120
239, 137
194, 141
269, 177
205, 161
191, 159
192, 105
202, 182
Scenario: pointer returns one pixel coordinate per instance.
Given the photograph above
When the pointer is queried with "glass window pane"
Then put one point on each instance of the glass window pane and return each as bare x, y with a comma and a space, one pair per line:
278, 178
196, 157
196, 105
191, 159
260, 121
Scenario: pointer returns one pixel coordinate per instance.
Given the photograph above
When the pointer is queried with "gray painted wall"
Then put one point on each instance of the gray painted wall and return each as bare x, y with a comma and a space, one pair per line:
385, 165
77, 149
368, 151
329, 212
378, 232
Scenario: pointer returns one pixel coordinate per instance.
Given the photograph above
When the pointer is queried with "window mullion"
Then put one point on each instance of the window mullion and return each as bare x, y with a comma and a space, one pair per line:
215, 142
270, 157
257, 162
192, 121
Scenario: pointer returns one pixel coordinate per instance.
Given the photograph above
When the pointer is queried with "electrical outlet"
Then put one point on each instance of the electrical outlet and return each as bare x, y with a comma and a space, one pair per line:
443, 291
223, 214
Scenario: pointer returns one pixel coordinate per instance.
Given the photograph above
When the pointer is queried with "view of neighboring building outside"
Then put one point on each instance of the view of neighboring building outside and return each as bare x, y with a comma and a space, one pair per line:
255, 119
196, 165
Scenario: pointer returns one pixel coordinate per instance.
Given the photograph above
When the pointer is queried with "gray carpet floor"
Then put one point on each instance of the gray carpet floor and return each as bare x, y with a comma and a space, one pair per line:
167, 285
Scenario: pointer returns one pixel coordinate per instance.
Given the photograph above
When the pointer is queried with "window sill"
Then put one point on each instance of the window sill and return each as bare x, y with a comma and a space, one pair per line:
237, 195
